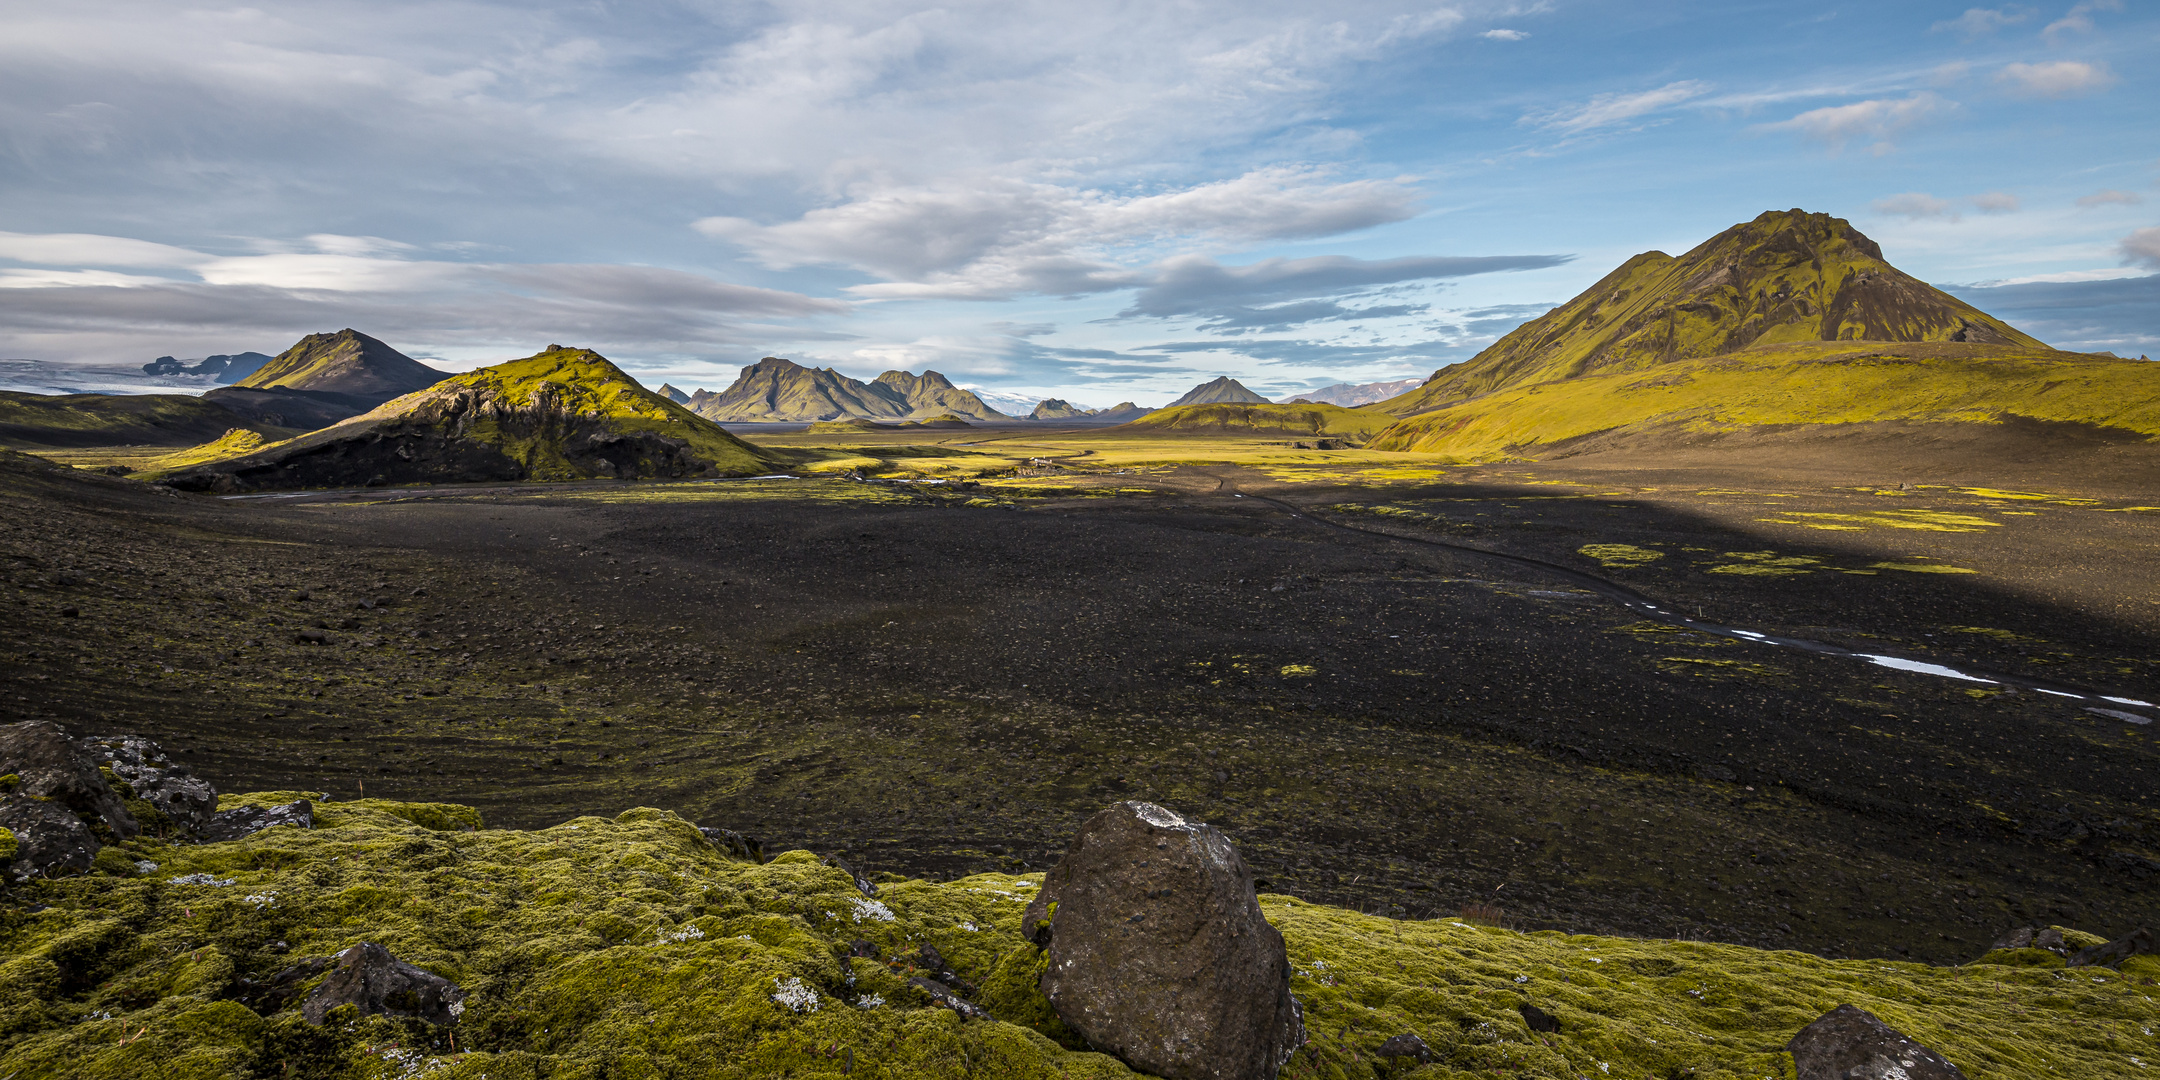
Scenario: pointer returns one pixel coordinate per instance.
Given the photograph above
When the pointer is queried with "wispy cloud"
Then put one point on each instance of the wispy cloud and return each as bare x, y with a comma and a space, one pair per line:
2142, 248
1505, 35
2056, 78
2110, 197
1608, 110
1996, 202
1978, 22
1879, 119
1915, 205
1196, 284
2079, 19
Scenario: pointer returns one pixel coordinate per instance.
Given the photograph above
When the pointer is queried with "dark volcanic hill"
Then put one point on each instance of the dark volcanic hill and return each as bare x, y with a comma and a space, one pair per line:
325, 378
774, 390
565, 414
1223, 390
53, 421
1787, 276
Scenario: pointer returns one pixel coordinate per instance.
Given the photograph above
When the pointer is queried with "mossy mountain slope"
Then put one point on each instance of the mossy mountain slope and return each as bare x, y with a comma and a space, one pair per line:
346, 362
1810, 383
1787, 276
564, 414
774, 390
1264, 418
1220, 390
632, 946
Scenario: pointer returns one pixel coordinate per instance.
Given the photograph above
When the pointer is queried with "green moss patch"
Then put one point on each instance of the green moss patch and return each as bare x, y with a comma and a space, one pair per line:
631, 947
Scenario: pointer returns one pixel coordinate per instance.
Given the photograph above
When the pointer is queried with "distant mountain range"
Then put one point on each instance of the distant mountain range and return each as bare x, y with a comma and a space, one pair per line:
1350, 397
226, 369
774, 390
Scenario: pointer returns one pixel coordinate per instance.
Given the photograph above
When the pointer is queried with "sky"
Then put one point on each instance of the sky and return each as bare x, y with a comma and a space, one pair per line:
1100, 202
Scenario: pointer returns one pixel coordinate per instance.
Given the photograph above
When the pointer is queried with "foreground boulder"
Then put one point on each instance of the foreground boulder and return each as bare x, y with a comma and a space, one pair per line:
186, 800
1849, 1043
47, 840
367, 976
2135, 943
52, 768
249, 820
1158, 951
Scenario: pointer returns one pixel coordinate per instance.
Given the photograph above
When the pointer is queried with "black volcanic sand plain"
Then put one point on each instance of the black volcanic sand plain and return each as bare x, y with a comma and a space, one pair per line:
935, 680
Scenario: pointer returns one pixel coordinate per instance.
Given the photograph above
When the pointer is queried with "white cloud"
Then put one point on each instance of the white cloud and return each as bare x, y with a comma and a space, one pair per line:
2110, 197
2056, 78
1977, 22
2079, 19
1915, 205
1996, 202
1878, 119
1505, 35
1605, 110
2143, 248
997, 238
88, 249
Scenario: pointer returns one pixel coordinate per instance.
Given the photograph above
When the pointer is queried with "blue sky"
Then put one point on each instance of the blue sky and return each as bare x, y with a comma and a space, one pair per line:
1098, 202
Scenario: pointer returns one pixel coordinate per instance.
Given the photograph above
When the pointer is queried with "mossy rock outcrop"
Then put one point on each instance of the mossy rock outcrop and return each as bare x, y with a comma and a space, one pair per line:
633, 947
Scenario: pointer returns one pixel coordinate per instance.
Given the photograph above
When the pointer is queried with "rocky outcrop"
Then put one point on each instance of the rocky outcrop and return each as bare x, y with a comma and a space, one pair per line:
53, 769
1849, 1043
49, 841
367, 976
244, 821
2136, 943
1159, 953
186, 800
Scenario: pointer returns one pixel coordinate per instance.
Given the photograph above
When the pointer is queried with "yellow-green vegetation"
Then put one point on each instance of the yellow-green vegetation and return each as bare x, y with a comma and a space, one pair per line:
1813, 383
1923, 520
1319, 420
1787, 276
1620, 556
1706, 667
850, 424
1767, 564
1923, 568
632, 947
236, 442
540, 412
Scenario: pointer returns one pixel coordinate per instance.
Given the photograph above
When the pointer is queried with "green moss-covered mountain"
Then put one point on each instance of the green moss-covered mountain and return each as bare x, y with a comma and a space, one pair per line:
1792, 319
564, 414
1787, 276
1217, 391
47, 421
1330, 421
347, 362
774, 390
633, 947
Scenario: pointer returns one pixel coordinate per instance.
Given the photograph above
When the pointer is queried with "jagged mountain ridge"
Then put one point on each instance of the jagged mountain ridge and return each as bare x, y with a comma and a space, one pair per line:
347, 362
563, 414
1787, 276
775, 390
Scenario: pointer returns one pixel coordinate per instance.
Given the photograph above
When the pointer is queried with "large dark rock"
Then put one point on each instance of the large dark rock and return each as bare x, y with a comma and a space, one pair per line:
2033, 937
735, 844
2135, 943
1849, 1043
184, 798
367, 976
1159, 953
249, 820
49, 840
267, 996
1407, 1045
53, 768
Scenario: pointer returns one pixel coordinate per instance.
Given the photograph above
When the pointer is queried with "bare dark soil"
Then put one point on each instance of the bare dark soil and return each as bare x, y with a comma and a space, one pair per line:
936, 688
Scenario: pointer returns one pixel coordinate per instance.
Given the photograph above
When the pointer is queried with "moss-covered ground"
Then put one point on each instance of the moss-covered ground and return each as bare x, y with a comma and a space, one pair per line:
1816, 383
628, 946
